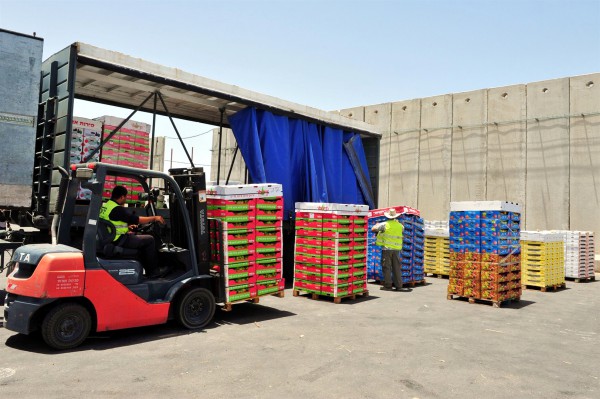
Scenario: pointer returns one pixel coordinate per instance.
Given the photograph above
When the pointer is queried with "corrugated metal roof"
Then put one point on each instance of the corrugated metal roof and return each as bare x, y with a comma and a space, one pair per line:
114, 78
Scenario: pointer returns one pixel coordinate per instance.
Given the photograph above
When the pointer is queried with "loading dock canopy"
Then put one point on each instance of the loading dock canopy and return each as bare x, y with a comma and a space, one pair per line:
114, 78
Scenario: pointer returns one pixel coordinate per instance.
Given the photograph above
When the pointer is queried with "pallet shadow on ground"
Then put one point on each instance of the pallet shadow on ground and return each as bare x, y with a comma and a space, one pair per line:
247, 313
510, 304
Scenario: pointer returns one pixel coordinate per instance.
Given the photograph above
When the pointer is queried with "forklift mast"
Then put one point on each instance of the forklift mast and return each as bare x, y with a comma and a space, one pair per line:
192, 183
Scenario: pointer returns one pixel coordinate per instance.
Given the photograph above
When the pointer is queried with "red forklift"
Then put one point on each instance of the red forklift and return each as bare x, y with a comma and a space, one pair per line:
82, 283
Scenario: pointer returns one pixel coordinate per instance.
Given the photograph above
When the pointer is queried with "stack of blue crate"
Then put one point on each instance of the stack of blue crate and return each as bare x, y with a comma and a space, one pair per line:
485, 250
412, 254
374, 271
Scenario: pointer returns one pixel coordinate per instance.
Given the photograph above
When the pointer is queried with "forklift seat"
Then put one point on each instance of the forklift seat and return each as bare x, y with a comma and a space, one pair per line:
105, 235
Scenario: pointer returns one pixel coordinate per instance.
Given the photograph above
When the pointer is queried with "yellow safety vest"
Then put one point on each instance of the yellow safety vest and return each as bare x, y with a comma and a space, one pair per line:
392, 236
120, 227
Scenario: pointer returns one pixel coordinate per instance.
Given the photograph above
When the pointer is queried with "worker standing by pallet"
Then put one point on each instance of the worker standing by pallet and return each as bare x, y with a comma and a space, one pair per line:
389, 236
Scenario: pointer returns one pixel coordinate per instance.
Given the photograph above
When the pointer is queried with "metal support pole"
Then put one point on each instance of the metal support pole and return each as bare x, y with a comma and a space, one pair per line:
232, 162
152, 139
175, 127
117, 129
222, 110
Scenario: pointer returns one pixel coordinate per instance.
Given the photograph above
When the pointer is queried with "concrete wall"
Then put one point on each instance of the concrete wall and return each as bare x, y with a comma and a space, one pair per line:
228, 145
537, 144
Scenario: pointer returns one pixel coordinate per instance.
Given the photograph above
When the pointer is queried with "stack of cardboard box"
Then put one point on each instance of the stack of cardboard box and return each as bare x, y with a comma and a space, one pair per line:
252, 217
542, 257
86, 136
485, 250
330, 249
130, 146
437, 251
412, 254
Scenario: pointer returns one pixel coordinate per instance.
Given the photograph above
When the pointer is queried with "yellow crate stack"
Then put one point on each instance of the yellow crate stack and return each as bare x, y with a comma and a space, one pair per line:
437, 251
542, 259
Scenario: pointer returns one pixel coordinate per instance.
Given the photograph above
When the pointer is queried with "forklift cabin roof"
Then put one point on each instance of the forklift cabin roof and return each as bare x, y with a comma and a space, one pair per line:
114, 78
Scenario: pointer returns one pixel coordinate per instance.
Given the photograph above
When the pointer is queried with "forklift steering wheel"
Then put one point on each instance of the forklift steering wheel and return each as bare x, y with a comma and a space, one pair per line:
146, 228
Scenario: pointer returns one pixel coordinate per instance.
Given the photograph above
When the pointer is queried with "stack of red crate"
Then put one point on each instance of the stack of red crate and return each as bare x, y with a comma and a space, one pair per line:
130, 146
252, 217
330, 254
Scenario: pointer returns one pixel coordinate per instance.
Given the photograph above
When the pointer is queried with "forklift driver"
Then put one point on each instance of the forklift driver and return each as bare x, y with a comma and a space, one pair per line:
113, 212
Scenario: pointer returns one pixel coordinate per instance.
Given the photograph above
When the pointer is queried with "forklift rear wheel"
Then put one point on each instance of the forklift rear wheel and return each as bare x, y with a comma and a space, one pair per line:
66, 326
196, 308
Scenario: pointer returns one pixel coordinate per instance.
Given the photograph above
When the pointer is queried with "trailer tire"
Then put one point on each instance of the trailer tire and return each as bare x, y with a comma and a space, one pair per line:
66, 326
196, 308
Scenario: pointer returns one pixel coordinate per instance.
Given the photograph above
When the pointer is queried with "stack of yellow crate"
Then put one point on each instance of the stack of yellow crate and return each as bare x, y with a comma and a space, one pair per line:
437, 251
542, 259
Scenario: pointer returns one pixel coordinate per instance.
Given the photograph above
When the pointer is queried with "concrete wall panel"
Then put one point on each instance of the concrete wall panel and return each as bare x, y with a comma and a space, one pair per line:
435, 157
228, 144
547, 189
357, 113
469, 146
585, 153
380, 115
507, 143
404, 153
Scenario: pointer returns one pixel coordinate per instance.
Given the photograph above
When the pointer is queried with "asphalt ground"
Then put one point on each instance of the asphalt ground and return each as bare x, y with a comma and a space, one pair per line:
414, 344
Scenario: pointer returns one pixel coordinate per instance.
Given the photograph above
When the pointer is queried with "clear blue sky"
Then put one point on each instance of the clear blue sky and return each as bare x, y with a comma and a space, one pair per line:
330, 54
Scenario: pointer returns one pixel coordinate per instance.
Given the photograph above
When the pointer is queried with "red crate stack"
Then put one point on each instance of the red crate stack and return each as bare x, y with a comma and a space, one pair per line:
130, 146
252, 244
330, 249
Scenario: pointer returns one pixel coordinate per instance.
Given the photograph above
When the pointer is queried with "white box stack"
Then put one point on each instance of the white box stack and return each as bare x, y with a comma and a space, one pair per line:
579, 254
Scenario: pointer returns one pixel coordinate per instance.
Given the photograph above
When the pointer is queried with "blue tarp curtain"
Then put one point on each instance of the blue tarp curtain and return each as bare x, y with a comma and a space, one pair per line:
309, 160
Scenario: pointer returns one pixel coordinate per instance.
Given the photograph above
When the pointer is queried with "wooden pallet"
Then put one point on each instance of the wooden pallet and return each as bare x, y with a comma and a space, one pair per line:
446, 276
554, 287
337, 299
414, 283
227, 306
581, 279
495, 304
404, 285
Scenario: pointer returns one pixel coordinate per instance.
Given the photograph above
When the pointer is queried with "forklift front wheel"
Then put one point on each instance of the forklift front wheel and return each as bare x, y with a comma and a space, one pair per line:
66, 326
196, 308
